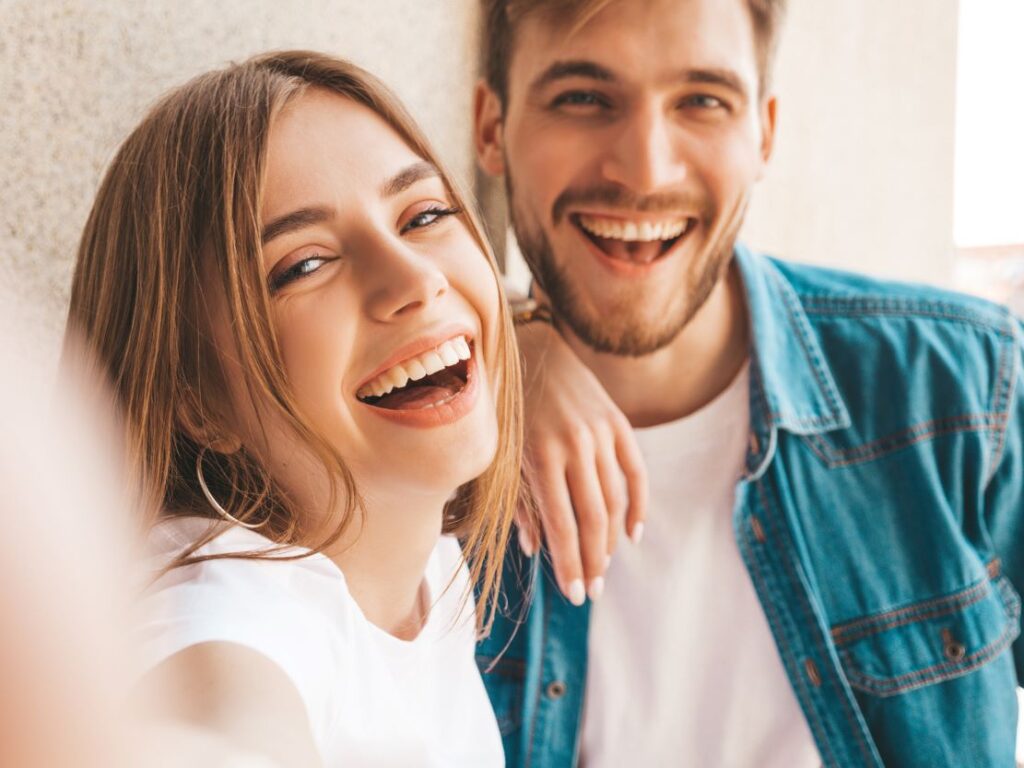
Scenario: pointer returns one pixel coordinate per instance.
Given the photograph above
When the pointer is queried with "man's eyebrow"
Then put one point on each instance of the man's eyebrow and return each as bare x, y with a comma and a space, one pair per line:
405, 178
561, 70
290, 222
724, 77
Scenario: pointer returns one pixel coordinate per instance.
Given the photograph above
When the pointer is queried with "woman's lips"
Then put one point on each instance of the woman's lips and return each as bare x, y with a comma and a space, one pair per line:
419, 410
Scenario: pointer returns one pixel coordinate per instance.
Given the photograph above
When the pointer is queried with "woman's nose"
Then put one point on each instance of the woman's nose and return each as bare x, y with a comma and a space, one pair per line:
401, 281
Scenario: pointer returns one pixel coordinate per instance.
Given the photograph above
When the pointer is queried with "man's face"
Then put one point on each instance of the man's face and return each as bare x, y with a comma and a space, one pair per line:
629, 147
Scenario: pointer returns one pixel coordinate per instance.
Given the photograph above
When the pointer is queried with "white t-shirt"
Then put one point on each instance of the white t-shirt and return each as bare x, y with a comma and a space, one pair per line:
683, 670
372, 699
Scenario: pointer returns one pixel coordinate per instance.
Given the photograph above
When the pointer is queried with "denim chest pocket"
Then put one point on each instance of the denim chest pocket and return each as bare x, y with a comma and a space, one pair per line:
931, 641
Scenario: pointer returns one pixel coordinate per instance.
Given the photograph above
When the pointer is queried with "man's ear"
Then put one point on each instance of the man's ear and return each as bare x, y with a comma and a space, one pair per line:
768, 111
488, 129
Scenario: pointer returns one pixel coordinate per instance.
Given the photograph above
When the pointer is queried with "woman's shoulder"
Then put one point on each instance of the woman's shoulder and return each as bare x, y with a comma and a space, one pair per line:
295, 612
231, 555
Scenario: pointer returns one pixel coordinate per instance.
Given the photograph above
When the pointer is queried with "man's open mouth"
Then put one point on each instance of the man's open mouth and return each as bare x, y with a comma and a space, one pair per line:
638, 242
427, 380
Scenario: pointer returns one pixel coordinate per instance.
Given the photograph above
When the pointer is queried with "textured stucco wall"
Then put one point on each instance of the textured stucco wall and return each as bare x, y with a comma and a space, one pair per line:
862, 176
76, 76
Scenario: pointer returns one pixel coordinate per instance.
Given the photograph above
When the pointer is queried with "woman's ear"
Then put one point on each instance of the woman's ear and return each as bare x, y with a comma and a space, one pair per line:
487, 129
202, 432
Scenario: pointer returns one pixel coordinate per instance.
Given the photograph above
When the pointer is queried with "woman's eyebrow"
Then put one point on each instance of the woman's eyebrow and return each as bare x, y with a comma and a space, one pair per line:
294, 220
408, 176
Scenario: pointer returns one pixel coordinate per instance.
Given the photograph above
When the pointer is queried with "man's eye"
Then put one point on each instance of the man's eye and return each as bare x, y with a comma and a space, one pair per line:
297, 271
579, 99
429, 217
704, 101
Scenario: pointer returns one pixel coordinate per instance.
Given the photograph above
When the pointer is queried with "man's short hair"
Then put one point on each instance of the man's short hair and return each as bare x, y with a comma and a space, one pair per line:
501, 17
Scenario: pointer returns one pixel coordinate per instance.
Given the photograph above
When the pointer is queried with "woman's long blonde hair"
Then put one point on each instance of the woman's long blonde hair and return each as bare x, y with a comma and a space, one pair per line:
177, 217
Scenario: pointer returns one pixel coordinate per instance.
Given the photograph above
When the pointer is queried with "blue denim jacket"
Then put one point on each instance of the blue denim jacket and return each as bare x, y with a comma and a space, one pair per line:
881, 520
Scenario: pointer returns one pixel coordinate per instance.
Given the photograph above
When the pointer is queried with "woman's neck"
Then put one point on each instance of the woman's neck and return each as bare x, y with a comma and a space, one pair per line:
384, 555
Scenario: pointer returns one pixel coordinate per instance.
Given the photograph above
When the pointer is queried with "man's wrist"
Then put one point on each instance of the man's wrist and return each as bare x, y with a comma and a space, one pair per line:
526, 311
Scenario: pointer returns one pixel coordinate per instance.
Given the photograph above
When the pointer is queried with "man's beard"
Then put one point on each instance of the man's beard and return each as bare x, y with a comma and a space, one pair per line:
622, 329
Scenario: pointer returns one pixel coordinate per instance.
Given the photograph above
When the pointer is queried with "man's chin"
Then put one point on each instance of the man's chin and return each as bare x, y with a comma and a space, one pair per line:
631, 336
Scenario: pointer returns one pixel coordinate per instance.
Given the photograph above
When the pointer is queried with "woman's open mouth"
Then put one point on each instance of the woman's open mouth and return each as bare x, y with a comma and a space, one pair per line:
430, 380
634, 242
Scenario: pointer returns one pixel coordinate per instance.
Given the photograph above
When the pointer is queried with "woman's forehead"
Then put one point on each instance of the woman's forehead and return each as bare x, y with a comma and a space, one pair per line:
328, 147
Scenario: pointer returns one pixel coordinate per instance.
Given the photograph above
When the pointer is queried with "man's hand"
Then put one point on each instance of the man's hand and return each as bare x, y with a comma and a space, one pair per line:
582, 464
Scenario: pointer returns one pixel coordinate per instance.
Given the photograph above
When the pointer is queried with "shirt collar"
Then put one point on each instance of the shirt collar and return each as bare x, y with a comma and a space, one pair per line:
792, 387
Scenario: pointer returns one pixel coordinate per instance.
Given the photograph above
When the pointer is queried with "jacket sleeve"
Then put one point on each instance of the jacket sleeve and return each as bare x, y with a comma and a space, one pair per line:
1004, 497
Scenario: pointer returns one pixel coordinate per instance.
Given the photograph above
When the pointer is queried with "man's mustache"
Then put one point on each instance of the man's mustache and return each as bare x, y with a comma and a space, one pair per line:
613, 196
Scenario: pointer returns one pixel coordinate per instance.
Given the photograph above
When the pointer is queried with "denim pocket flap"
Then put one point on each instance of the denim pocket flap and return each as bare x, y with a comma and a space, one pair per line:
930, 641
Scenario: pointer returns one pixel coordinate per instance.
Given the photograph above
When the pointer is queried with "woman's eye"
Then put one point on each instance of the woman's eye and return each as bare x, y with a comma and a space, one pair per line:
297, 271
429, 217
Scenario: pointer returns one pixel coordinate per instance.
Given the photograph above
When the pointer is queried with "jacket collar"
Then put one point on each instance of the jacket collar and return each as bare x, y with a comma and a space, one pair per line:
792, 387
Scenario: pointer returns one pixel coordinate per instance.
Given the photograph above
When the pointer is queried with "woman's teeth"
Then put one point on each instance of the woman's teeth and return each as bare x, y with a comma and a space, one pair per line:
633, 231
452, 352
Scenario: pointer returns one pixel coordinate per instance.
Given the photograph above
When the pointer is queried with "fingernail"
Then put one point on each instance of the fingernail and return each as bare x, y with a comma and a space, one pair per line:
596, 588
525, 544
576, 594
607, 561
638, 533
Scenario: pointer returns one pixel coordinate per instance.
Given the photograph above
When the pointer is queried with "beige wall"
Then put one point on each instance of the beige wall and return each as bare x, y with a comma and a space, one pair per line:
75, 76
863, 172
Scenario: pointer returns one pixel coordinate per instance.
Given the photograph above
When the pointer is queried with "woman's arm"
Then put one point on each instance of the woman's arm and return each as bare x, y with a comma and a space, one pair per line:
238, 697
583, 464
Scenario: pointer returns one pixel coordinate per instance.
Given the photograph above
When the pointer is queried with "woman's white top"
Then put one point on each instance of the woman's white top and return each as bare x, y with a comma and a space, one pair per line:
372, 699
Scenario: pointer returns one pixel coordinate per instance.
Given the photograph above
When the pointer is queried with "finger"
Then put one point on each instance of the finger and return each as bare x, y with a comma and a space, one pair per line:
613, 487
527, 517
560, 532
591, 520
525, 532
631, 462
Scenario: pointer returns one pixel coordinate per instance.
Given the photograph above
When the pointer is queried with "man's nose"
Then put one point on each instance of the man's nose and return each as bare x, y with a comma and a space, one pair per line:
644, 156
400, 280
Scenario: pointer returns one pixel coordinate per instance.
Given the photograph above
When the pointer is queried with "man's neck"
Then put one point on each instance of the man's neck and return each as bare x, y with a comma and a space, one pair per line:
688, 373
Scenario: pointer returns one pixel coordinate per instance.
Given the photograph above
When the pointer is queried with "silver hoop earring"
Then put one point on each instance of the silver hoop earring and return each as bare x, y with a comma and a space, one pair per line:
213, 502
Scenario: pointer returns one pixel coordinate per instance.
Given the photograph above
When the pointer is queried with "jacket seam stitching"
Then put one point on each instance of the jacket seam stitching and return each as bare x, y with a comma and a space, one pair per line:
897, 617
921, 677
884, 308
816, 641
1004, 384
814, 721
816, 363
983, 422
540, 680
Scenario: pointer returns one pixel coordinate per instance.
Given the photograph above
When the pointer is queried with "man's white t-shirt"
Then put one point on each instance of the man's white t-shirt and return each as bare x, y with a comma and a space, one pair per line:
683, 670
372, 699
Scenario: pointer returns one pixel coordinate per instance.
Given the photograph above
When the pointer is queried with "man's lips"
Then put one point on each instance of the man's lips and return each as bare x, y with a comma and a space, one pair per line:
633, 240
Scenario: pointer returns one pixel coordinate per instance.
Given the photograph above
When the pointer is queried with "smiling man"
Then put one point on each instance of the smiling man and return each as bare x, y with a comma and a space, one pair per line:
835, 542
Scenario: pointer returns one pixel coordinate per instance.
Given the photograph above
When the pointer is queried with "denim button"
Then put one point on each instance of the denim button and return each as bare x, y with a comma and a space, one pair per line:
556, 690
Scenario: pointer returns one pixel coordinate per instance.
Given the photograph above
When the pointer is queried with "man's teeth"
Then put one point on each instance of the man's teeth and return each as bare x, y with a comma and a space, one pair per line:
450, 353
630, 231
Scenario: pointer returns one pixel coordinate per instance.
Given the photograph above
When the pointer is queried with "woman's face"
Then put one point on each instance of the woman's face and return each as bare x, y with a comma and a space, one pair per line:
385, 307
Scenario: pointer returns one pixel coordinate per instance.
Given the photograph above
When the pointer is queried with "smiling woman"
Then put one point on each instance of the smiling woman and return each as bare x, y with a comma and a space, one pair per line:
305, 334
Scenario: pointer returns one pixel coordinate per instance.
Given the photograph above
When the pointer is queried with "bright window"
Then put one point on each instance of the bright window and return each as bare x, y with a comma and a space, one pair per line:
989, 195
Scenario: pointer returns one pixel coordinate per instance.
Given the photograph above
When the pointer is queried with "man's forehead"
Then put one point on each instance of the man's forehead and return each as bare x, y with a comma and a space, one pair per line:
649, 39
